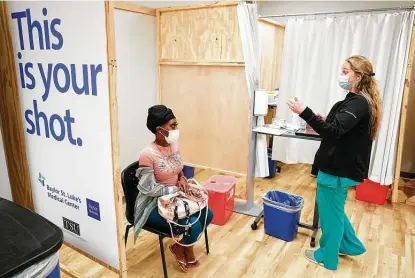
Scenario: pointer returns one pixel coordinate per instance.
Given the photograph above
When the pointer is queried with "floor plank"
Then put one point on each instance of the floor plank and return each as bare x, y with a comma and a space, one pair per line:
388, 233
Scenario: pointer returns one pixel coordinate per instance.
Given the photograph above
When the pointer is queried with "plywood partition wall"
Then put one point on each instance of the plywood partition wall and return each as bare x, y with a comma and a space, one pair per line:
403, 119
271, 43
408, 154
209, 34
11, 122
202, 78
212, 108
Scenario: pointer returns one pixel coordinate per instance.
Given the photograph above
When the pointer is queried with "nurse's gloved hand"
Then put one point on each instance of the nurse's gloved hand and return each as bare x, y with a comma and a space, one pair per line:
296, 106
321, 117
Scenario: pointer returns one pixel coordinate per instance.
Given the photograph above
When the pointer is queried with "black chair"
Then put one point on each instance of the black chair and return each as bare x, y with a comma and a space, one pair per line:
129, 184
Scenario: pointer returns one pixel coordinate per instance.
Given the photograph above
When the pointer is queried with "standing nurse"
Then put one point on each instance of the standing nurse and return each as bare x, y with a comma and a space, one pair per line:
343, 157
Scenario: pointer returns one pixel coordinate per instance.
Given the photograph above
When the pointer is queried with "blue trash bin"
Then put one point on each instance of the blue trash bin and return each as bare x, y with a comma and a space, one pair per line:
272, 165
55, 273
188, 171
282, 213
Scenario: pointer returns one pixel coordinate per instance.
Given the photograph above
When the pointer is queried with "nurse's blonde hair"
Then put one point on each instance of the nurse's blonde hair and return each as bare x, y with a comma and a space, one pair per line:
368, 88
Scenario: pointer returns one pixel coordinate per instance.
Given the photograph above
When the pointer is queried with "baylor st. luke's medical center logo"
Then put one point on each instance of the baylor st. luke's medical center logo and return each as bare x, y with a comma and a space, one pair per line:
59, 195
70, 200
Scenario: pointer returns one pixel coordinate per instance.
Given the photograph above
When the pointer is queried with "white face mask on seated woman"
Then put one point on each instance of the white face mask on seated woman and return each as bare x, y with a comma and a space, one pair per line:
173, 135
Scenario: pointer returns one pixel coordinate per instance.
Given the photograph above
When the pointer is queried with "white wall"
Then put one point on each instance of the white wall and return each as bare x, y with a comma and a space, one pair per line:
4, 176
136, 52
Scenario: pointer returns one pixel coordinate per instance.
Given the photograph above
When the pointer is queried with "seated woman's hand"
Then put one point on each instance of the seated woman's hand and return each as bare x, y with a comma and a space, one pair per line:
183, 184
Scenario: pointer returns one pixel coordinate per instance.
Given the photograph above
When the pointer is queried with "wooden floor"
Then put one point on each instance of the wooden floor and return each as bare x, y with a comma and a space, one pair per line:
388, 233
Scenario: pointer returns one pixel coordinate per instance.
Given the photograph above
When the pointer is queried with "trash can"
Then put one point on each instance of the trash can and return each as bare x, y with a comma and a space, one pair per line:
272, 165
221, 191
188, 171
371, 192
29, 243
282, 213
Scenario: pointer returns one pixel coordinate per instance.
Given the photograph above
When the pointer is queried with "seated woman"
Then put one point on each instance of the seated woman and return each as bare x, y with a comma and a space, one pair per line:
164, 157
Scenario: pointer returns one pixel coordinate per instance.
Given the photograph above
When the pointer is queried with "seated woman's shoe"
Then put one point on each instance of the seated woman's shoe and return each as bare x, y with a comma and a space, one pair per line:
192, 262
179, 254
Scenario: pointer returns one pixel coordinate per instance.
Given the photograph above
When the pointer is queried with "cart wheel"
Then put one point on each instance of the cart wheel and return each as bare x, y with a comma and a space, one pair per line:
313, 242
254, 226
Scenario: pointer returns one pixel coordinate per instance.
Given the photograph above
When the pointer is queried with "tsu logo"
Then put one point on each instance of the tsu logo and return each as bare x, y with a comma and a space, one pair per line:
71, 226
41, 179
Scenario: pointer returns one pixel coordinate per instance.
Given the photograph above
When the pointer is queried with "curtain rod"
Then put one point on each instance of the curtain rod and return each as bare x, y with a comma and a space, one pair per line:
343, 12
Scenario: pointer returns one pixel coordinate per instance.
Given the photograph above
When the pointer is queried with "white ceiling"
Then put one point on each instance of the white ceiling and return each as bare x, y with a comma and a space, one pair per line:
164, 4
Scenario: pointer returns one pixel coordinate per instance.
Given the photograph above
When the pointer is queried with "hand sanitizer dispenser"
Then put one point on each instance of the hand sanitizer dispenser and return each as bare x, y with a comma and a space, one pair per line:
261, 103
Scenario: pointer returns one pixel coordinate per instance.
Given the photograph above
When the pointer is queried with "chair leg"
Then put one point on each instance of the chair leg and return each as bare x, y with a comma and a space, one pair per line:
163, 258
127, 230
207, 242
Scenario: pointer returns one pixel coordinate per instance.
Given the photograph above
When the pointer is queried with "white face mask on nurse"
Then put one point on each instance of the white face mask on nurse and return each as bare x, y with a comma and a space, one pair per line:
348, 78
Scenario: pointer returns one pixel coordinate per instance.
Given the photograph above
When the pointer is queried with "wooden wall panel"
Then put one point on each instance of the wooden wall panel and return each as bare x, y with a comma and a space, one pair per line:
11, 121
279, 37
271, 41
408, 155
205, 34
212, 108
403, 119
132, 7
115, 144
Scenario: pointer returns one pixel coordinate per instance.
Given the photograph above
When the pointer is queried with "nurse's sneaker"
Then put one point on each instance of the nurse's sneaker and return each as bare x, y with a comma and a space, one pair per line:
309, 255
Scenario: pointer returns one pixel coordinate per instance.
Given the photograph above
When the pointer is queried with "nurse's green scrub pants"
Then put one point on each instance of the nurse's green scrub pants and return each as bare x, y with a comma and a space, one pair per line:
338, 235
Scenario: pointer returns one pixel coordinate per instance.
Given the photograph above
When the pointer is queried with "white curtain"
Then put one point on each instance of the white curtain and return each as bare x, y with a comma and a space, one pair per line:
314, 50
248, 28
